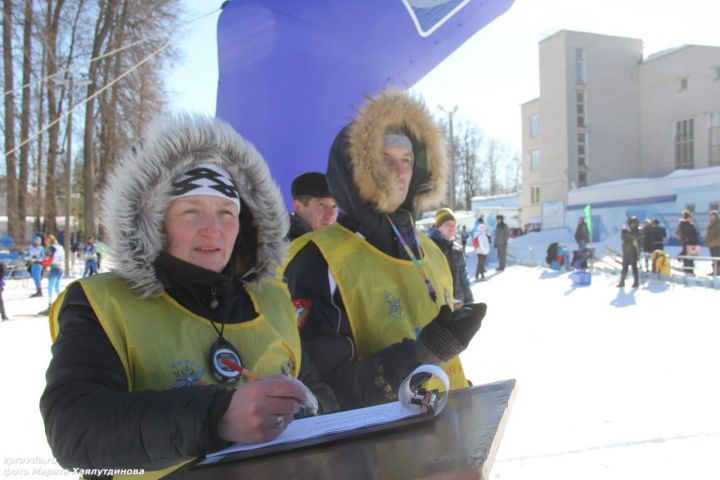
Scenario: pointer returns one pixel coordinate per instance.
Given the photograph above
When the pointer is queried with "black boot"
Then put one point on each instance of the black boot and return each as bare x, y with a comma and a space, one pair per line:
37, 294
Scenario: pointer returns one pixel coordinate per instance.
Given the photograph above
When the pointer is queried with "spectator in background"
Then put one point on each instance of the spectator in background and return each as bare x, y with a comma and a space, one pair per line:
712, 241
657, 235
481, 242
502, 236
313, 205
90, 251
630, 237
646, 232
464, 237
582, 234
56, 257
3, 315
443, 234
688, 236
35, 254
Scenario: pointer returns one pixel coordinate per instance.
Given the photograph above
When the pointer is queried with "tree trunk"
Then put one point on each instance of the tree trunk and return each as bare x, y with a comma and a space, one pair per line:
11, 179
25, 120
40, 150
113, 69
102, 26
54, 111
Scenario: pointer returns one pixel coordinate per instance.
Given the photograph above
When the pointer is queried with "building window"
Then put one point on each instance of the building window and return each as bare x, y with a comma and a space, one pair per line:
580, 66
534, 126
683, 84
582, 179
535, 160
684, 144
534, 195
714, 135
582, 149
580, 101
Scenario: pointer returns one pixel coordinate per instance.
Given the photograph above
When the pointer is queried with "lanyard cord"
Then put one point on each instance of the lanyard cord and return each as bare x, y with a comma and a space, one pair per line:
213, 305
417, 263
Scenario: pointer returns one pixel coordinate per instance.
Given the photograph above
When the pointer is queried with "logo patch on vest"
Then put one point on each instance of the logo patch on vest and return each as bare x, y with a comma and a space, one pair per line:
302, 311
187, 373
395, 309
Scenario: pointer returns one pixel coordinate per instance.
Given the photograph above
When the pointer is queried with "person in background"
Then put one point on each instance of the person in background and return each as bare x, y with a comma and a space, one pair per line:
313, 207
481, 242
90, 253
35, 254
689, 238
646, 232
145, 359
443, 234
502, 237
631, 238
582, 234
464, 235
373, 294
712, 241
3, 315
657, 235
56, 257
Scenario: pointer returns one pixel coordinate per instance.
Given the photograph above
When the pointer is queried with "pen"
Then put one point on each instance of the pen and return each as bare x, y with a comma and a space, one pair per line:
238, 368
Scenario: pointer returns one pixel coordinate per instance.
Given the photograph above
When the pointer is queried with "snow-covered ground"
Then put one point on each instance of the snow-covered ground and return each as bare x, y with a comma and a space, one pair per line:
612, 383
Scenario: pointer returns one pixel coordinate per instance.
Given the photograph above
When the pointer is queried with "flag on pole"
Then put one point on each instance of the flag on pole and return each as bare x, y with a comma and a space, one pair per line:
588, 219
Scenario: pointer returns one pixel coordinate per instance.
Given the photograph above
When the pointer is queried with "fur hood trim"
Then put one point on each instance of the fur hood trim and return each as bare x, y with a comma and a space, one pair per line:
396, 109
139, 192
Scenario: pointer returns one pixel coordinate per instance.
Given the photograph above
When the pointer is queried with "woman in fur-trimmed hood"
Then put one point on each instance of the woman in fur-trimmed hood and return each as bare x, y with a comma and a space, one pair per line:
196, 225
140, 190
365, 286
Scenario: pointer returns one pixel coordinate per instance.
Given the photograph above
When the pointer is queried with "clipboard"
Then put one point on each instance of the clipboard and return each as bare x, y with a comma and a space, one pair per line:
415, 405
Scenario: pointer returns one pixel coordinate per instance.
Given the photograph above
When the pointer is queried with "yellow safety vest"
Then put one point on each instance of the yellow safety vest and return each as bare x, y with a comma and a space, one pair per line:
163, 345
385, 298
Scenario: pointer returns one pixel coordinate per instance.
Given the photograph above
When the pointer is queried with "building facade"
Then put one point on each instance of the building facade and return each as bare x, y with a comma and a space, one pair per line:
605, 113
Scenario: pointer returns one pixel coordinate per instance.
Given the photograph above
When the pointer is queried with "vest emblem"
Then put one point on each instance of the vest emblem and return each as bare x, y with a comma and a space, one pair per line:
187, 373
302, 311
395, 309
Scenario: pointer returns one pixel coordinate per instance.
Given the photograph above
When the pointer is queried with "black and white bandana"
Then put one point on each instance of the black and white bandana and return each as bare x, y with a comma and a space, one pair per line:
206, 179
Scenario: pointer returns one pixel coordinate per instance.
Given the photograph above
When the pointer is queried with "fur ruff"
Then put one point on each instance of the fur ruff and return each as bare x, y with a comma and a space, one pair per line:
373, 179
138, 194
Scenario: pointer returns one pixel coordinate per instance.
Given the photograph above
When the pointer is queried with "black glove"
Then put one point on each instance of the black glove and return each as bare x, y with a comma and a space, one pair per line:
449, 333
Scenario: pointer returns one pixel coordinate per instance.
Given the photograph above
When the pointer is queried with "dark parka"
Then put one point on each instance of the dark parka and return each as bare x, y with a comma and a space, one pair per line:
361, 185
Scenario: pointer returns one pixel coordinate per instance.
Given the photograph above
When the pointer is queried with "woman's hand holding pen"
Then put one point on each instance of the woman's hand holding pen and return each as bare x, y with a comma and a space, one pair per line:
259, 411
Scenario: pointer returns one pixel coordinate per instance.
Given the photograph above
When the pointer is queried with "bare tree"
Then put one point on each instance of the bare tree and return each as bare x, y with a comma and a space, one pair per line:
25, 120
102, 27
54, 105
468, 174
123, 47
9, 106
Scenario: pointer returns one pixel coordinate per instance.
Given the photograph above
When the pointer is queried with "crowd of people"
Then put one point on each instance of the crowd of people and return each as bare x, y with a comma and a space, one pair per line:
649, 239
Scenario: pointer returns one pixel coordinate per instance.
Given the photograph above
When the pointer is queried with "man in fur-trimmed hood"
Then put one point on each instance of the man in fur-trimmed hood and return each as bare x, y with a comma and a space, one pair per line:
372, 294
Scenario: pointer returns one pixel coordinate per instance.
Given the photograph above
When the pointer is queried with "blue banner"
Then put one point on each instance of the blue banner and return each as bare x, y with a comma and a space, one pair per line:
292, 72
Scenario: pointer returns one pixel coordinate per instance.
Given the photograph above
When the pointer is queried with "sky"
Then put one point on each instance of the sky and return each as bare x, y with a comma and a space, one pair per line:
612, 384
496, 70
